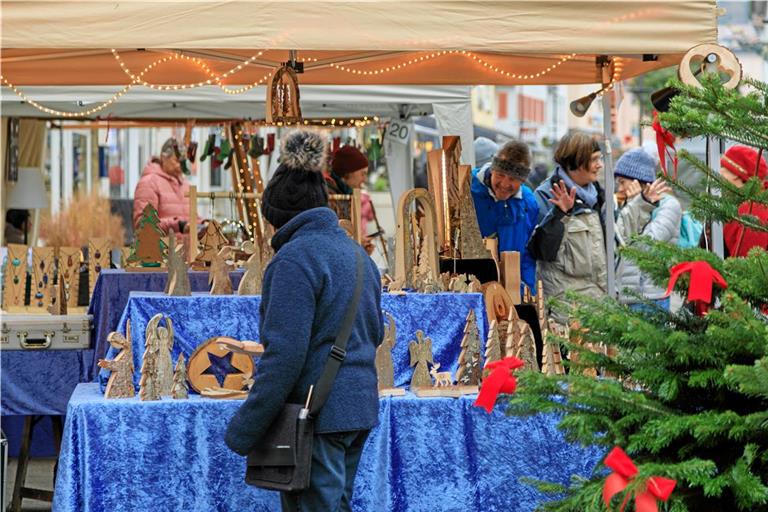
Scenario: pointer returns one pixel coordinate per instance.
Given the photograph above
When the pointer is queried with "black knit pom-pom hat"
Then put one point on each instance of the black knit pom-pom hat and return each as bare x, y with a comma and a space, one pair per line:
298, 182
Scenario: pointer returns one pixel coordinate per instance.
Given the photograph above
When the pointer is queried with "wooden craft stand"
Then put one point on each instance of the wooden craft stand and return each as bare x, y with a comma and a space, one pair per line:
19, 490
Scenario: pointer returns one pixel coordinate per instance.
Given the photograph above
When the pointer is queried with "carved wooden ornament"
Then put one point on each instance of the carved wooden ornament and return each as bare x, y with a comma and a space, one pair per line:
421, 356
120, 383
201, 378
283, 103
178, 276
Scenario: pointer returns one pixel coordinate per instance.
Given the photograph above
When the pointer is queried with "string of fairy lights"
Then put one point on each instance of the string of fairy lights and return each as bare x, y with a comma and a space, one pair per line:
218, 79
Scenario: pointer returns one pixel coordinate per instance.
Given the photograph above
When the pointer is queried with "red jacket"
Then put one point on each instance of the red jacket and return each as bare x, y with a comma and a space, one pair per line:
739, 240
166, 193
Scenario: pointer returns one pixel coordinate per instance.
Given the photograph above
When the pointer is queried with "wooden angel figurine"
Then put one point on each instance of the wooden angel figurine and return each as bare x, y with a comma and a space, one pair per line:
120, 383
421, 357
148, 384
218, 276
157, 367
180, 387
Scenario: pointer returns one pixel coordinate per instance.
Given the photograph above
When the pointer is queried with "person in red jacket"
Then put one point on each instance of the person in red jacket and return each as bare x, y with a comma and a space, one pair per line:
738, 165
163, 185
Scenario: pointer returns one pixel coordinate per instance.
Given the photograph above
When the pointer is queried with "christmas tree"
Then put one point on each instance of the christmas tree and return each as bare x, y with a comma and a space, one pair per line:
148, 247
685, 394
469, 373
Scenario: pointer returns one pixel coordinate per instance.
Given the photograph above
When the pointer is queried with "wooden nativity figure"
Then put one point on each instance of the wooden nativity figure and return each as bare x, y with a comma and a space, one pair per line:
218, 276
250, 284
385, 369
157, 367
178, 277
180, 387
120, 383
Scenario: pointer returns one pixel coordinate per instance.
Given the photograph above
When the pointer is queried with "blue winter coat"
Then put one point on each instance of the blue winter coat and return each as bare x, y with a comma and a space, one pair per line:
512, 221
306, 291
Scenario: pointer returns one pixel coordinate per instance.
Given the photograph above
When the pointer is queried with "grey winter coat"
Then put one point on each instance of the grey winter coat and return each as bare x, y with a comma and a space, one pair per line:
664, 226
570, 248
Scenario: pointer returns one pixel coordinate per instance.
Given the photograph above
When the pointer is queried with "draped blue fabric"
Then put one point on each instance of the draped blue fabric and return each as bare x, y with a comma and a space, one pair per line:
110, 295
202, 316
41, 381
426, 454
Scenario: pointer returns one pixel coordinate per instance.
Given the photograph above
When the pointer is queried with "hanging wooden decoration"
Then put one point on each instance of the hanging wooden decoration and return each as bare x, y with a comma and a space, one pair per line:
283, 105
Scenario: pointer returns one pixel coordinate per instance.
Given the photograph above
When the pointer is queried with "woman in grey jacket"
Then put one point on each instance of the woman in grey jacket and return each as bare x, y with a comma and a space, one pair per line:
636, 169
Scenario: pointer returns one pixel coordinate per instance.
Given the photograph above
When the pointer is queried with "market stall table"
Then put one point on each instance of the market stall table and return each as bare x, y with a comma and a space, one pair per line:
425, 455
110, 295
201, 316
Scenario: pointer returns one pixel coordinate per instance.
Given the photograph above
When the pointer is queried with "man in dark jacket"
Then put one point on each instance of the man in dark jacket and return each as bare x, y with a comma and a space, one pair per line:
307, 289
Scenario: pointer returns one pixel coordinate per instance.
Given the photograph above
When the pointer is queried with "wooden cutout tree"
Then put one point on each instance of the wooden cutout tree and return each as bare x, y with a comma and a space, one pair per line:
149, 246
421, 357
120, 383
218, 275
512, 332
212, 242
178, 276
552, 359
492, 346
469, 372
250, 284
526, 348
180, 388
385, 368
470, 240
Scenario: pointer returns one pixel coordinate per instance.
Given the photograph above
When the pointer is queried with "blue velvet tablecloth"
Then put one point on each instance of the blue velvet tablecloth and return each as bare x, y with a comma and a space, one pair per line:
425, 455
201, 316
110, 295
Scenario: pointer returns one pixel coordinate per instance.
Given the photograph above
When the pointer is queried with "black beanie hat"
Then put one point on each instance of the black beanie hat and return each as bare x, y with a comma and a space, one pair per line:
298, 183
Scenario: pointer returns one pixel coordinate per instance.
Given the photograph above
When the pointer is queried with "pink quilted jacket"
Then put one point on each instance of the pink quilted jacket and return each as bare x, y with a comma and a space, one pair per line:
166, 193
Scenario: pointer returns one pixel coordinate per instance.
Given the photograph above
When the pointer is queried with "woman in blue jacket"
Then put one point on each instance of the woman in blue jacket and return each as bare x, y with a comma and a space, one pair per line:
505, 207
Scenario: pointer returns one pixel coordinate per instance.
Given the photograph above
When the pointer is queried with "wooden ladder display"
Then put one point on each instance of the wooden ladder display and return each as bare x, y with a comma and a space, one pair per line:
19, 490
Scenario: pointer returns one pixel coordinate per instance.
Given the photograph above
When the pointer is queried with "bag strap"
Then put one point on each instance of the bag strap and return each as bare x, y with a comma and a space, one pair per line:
338, 350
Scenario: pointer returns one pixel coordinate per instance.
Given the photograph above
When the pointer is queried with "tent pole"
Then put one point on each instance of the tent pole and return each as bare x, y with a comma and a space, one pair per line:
610, 238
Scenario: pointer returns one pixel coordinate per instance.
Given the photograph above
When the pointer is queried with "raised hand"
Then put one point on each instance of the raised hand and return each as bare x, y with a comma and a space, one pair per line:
562, 198
653, 192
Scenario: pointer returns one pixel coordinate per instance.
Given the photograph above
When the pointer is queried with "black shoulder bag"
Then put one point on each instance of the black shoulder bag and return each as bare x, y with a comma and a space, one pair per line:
283, 458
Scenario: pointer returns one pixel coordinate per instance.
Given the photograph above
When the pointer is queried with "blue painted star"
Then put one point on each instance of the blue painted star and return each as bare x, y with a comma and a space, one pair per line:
221, 367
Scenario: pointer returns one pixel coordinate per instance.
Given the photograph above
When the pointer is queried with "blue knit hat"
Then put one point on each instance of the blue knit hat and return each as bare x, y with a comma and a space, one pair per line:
636, 164
485, 150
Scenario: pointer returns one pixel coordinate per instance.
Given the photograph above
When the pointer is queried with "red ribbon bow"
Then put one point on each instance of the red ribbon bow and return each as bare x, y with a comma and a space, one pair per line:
499, 381
657, 487
664, 140
703, 276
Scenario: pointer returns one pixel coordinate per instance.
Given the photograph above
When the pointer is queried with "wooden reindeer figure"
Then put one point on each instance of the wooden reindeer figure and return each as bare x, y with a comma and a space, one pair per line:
421, 356
441, 378
178, 278
120, 383
180, 387
218, 276
385, 369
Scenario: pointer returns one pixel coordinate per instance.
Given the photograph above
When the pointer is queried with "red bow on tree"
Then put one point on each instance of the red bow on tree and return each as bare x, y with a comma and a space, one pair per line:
500, 380
665, 140
703, 276
656, 488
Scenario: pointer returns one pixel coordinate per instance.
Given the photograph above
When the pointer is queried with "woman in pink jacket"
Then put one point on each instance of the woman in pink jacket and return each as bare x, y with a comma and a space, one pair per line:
163, 185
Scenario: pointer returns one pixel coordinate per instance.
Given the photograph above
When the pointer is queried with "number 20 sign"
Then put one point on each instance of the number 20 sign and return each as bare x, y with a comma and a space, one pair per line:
399, 131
